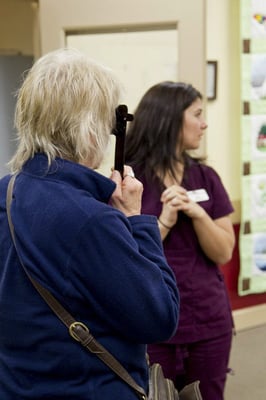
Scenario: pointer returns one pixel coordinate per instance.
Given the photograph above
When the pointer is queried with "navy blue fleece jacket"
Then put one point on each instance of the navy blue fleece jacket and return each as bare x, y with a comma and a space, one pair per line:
108, 270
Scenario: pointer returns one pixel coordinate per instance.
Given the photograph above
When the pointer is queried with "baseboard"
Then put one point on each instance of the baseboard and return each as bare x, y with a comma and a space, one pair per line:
250, 317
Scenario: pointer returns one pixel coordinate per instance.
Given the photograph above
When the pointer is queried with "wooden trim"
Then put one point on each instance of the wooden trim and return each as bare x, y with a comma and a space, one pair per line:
249, 317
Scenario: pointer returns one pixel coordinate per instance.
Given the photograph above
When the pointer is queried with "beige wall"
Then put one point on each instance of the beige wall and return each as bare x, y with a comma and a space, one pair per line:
16, 27
78, 14
223, 135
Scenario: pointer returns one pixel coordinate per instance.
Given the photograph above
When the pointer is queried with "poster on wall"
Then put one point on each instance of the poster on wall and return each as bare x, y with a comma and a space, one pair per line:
252, 240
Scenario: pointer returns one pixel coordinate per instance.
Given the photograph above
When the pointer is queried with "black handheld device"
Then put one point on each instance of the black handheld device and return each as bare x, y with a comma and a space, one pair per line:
119, 131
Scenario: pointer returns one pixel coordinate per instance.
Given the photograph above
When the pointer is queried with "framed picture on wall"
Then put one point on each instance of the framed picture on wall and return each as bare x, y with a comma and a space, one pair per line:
211, 80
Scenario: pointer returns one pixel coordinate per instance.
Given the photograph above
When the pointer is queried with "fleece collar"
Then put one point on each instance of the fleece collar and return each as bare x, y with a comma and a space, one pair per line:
77, 175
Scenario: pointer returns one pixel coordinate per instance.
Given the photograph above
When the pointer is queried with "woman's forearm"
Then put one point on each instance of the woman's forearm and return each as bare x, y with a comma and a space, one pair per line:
216, 237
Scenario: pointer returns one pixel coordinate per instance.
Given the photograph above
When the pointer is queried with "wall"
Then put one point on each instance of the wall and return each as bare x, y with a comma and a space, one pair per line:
16, 50
223, 135
16, 27
81, 14
11, 70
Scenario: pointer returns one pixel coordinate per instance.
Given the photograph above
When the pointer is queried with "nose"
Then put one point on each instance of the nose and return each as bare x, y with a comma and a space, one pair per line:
204, 125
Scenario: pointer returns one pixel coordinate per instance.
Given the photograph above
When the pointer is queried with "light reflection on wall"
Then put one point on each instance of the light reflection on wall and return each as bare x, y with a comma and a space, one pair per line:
140, 58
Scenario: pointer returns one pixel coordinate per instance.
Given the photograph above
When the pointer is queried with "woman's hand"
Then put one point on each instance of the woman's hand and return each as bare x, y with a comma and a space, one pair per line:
128, 193
174, 199
219, 248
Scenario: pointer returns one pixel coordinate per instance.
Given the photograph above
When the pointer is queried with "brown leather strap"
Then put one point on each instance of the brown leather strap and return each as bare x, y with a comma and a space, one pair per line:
77, 330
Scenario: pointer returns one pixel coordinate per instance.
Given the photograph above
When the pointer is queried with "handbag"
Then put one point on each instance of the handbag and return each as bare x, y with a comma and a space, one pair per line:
160, 388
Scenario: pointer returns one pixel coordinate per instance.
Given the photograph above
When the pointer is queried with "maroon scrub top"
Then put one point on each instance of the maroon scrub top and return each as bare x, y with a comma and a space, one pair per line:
205, 308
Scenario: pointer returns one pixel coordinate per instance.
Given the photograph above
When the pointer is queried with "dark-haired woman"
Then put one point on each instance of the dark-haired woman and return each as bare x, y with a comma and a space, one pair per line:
193, 210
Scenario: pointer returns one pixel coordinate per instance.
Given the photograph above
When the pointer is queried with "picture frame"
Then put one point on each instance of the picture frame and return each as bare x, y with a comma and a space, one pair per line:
212, 67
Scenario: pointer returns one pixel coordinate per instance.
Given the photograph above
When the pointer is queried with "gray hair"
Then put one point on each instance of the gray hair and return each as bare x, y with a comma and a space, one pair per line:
65, 108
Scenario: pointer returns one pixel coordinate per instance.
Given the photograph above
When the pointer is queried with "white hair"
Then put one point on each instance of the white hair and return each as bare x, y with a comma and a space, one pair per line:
65, 108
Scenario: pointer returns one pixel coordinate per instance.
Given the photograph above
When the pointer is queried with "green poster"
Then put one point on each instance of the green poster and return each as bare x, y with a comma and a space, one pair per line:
252, 240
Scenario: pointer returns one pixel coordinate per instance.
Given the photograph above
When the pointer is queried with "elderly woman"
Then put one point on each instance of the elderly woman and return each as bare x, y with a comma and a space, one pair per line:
81, 236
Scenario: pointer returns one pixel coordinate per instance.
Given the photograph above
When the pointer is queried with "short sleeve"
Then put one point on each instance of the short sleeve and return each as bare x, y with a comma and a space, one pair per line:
221, 204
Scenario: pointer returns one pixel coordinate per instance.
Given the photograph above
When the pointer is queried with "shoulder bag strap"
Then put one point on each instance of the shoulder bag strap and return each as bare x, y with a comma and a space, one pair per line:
77, 330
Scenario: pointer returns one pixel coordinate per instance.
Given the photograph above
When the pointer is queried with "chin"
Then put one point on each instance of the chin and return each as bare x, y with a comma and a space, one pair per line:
195, 147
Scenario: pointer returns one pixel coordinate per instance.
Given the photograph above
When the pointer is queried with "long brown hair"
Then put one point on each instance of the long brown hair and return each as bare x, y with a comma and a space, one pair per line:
156, 130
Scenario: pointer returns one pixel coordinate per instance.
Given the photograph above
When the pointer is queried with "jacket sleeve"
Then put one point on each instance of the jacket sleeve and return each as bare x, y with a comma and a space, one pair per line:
121, 271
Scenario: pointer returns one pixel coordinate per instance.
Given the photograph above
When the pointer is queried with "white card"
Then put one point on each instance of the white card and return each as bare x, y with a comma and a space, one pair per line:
198, 195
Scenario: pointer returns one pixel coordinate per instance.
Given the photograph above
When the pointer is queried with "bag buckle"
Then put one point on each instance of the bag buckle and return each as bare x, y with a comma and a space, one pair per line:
74, 326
